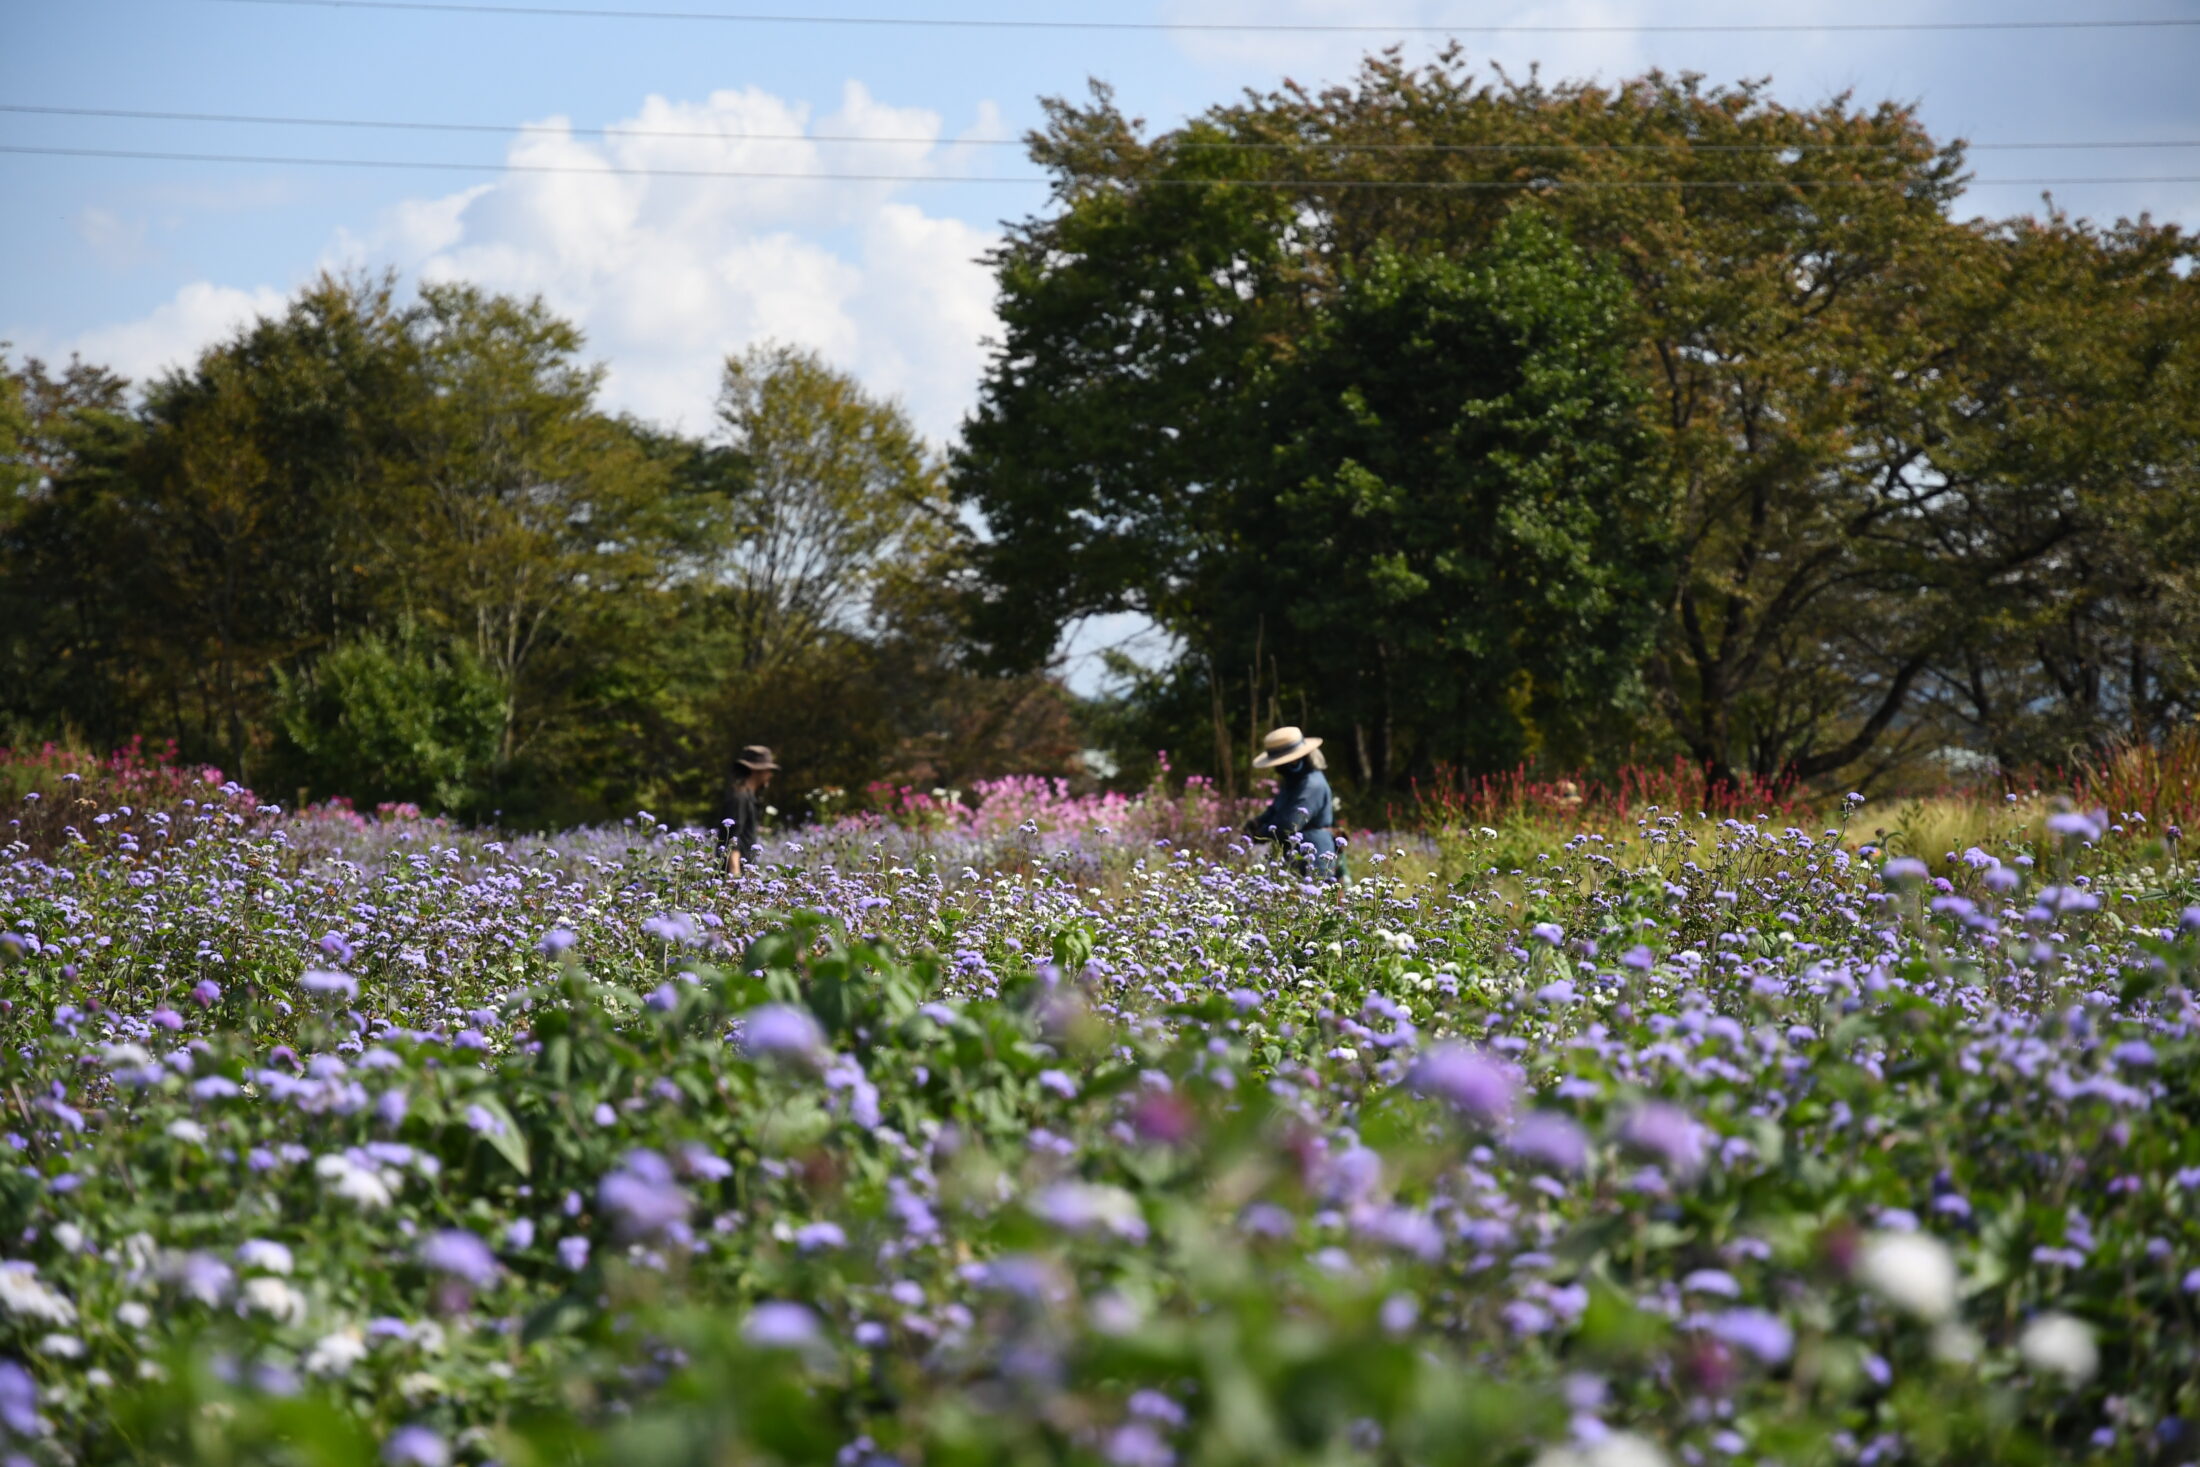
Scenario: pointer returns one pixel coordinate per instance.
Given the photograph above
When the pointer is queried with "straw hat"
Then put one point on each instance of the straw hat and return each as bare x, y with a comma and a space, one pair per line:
755, 756
1282, 746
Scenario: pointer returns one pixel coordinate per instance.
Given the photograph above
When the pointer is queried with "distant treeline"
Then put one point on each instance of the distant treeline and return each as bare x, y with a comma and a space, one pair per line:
394, 551
1467, 424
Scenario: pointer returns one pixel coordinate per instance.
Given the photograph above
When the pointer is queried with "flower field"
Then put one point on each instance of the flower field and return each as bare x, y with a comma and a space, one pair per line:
356, 1141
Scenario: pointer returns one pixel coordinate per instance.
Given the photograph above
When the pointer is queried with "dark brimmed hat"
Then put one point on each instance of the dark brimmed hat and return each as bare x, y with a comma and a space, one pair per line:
1282, 746
755, 756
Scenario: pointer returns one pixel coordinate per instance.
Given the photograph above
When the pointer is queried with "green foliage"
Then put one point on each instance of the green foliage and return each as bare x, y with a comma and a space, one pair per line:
383, 719
1866, 466
363, 498
1464, 542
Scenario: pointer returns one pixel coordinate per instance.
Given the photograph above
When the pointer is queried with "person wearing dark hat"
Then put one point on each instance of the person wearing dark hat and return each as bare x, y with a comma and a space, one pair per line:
752, 770
1303, 807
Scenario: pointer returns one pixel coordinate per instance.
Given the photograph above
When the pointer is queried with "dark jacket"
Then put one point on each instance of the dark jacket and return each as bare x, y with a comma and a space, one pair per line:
737, 820
1303, 807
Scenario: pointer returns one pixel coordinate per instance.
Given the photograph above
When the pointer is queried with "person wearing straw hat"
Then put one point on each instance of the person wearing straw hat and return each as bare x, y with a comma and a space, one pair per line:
1303, 813
752, 770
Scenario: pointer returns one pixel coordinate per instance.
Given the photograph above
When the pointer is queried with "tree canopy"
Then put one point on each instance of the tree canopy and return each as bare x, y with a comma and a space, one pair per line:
1865, 436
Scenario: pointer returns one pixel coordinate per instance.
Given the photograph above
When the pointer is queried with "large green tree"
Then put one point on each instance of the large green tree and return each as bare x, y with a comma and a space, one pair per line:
1821, 348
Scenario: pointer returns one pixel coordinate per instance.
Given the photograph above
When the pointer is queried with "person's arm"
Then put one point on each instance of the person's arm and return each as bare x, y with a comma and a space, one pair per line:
1284, 817
744, 829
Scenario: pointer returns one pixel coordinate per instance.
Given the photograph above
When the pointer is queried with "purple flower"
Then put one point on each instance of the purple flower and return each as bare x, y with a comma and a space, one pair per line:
1549, 932
2070, 823
519, 1235
1763, 1335
703, 1164
573, 1253
329, 983
811, 1237
556, 941
459, 1254
642, 1198
19, 1400
1478, 1087
336, 948
1085, 1207
1904, 868
1666, 1134
778, 1325
1135, 1444
782, 1031
1712, 1281
1550, 1140
206, 993
1059, 1083
415, 1446
1637, 957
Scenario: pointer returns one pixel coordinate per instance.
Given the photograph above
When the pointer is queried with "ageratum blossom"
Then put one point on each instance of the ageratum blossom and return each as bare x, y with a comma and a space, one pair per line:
642, 1199
1478, 1087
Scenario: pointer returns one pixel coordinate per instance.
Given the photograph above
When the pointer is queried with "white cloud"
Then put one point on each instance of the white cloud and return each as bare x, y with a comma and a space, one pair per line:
175, 331
116, 241
668, 275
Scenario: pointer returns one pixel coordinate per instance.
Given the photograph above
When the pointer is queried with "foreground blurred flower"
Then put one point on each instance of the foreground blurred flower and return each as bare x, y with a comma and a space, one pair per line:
1085, 1207
415, 1446
19, 1401
334, 1355
1550, 1140
642, 1198
778, 1325
1667, 1135
1477, 1086
782, 1031
1763, 1335
353, 1182
1615, 1449
2060, 1345
264, 1294
23, 1295
1915, 1272
457, 1253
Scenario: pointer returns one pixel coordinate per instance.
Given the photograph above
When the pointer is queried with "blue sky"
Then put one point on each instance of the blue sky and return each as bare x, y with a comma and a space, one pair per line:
140, 264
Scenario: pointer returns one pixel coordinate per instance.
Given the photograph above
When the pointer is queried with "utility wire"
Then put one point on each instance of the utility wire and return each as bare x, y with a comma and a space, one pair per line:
256, 119
1437, 184
457, 7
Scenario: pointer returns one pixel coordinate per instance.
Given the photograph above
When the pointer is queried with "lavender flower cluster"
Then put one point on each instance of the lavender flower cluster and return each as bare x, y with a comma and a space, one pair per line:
1709, 1142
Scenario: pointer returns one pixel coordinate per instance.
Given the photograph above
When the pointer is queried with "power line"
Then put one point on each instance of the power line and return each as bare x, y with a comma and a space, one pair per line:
576, 12
404, 125
1441, 184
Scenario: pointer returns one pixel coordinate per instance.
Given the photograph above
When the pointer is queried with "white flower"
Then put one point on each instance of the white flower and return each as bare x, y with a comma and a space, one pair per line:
188, 1131
421, 1386
1956, 1344
266, 1256
336, 1354
25, 1295
1615, 1449
133, 1315
115, 1056
273, 1298
1915, 1272
62, 1347
69, 1236
2059, 1344
352, 1182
